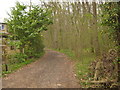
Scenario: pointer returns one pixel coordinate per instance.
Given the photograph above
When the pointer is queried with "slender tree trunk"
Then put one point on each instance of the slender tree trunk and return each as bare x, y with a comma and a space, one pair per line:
90, 25
97, 47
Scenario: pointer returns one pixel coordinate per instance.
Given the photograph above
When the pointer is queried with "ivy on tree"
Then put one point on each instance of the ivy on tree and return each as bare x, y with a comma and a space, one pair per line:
111, 18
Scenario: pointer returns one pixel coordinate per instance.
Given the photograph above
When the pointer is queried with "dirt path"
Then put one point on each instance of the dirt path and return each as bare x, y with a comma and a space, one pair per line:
53, 70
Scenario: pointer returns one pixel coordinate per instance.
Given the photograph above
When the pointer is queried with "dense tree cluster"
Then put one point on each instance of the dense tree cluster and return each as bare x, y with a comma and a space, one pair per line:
26, 27
77, 27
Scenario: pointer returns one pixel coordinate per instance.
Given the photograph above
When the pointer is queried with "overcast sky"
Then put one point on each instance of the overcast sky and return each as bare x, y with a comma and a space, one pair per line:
5, 6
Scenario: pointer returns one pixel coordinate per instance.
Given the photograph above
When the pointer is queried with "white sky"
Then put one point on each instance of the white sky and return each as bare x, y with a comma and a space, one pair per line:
5, 6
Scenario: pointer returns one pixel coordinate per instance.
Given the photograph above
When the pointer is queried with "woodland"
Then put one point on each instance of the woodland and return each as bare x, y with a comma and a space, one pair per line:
87, 32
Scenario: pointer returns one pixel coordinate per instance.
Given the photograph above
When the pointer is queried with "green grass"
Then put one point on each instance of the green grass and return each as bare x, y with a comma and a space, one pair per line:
81, 66
69, 53
16, 66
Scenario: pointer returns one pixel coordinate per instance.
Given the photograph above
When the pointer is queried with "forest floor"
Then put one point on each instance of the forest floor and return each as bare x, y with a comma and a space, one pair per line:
53, 70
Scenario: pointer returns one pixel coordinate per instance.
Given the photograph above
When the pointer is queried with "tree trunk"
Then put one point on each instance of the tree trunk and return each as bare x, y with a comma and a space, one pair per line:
96, 41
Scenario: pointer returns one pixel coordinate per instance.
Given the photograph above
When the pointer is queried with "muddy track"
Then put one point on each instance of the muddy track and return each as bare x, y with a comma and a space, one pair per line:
53, 70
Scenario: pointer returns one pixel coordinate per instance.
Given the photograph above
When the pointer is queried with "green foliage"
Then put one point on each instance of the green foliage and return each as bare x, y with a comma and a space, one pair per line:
111, 18
111, 15
20, 57
17, 58
25, 28
77, 28
17, 61
13, 67
14, 43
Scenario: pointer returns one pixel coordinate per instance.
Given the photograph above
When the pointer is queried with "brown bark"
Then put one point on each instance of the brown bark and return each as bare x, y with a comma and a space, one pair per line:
96, 41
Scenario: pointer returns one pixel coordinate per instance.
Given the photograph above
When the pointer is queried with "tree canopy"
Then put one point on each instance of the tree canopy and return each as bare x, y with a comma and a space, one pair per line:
26, 26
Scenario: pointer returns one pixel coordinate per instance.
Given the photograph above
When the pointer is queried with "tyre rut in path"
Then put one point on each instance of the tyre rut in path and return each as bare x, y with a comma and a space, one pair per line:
53, 70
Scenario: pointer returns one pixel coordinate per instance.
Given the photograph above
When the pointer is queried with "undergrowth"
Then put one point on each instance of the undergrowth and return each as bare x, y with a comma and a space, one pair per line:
12, 67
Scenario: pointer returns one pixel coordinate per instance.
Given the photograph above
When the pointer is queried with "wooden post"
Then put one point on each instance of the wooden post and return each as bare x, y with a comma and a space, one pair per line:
97, 70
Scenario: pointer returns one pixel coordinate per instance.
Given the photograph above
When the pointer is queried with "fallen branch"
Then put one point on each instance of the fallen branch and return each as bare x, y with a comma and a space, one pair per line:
99, 82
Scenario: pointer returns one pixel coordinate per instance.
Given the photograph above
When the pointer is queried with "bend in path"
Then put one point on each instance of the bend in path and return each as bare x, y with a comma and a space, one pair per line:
53, 70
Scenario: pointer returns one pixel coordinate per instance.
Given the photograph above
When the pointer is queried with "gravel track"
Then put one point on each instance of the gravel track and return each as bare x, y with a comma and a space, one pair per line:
53, 70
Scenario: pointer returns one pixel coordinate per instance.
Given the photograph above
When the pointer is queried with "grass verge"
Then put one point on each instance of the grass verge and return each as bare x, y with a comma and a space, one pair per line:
82, 64
67, 52
16, 66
